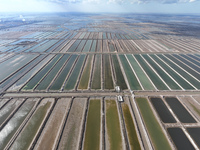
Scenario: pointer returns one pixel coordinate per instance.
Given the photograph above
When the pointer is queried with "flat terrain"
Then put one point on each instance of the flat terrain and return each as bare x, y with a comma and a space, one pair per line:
99, 81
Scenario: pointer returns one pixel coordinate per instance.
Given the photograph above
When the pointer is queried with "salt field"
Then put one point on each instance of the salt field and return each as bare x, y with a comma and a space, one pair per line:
98, 82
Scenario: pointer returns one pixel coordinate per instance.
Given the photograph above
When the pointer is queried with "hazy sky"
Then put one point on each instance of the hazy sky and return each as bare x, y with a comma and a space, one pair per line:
138, 6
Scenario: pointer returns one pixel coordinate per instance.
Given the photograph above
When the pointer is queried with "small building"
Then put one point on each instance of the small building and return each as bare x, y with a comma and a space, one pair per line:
117, 88
133, 94
119, 98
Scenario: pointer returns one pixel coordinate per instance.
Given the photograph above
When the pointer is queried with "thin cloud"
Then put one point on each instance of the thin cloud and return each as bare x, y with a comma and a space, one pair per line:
99, 6
122, 1
108, 1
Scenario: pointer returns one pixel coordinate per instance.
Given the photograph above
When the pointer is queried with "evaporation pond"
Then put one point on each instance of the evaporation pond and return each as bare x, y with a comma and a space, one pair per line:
179, 110
162, 110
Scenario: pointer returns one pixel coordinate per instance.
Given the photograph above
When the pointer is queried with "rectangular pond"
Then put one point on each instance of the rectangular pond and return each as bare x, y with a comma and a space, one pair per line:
87, 46
48, 79
186, 68
194, 133
184, 74
179, 110
152, 75
32, 126
15, 122
34, 81
74, 46
154, 129
72, 130
85, 77
96, 80
130, 127
108, 82
147, 85
187, 62
58, 82
133, 82
162, 110
72, 80
171, 83
113, 126
93, 126
180, 140
18, 85
50, 133
13, 64
118, 72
